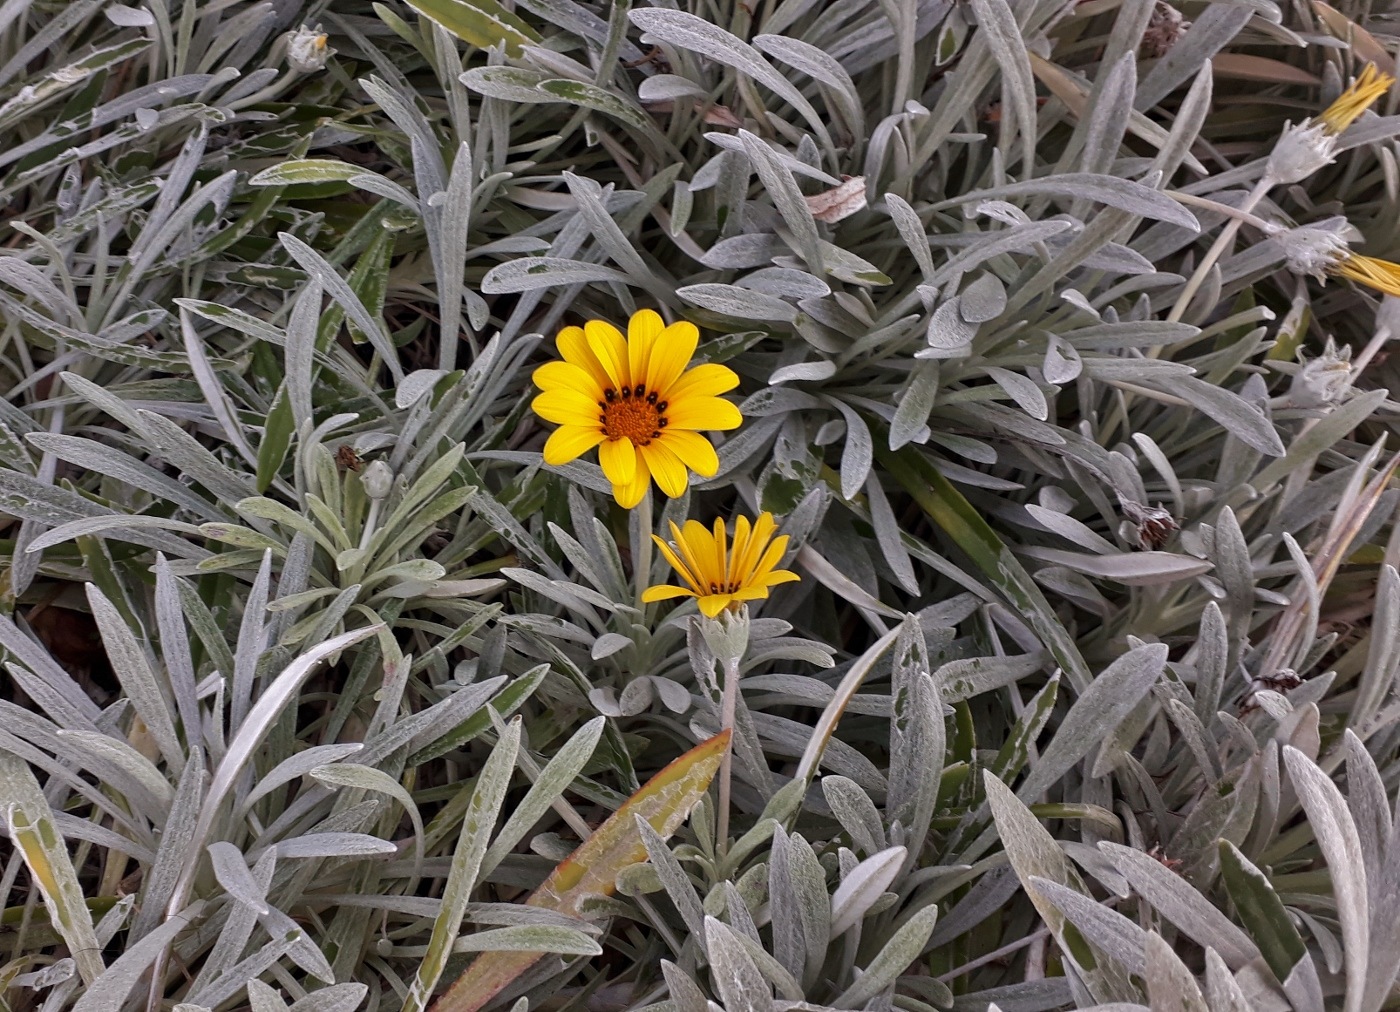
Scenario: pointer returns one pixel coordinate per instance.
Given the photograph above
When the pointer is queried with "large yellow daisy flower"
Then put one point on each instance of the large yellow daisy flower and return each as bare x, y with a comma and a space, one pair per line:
717, 576
636, 401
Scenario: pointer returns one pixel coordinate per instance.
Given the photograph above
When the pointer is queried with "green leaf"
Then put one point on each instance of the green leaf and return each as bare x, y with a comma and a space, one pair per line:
483, 23
505, 703
1261, 911
590, 96
948, 508
36, 838
277, 438
306, 170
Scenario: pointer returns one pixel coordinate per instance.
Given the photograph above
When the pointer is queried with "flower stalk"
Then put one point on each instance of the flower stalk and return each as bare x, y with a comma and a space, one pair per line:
722, 579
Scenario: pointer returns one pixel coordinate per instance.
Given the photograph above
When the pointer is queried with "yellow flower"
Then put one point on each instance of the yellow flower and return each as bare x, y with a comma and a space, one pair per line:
1370, 85
1379, 274
636, 401
718, 577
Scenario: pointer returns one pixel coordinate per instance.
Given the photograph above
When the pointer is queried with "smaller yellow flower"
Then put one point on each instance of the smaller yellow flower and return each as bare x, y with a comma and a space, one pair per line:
719, 577
1370, 85
1381, 275
1304, 149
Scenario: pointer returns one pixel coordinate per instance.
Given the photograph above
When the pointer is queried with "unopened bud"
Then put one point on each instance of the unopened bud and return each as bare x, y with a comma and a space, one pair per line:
1301, 151
307, 51
378, 480
727, 634
1324, 379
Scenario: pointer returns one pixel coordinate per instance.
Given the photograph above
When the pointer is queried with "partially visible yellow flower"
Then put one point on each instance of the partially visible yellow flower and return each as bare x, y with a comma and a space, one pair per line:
1323, 249
716, 575
1304, 149
1381, 275
636, 401
1370, 85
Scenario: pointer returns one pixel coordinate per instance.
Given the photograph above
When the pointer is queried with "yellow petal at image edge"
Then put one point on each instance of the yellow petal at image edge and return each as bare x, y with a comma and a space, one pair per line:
668, 470
570, 442
567, 407
703, 414
642, 331
607, 345
618, 458
567, 376
670, 354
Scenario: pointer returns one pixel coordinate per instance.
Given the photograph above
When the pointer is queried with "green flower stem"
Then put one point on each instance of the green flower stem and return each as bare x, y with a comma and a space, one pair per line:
729, 702
1217, 249
641, 547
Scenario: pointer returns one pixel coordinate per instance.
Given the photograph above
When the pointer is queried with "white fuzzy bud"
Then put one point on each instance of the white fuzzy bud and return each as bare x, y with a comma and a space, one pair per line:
1301, 151
307, 51
1322, 380
1315, 249
727, 634
378, 480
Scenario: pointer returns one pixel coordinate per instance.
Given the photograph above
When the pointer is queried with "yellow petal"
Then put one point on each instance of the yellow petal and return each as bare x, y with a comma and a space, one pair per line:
570, 442
618, 458
677, 563
738, 551
712, 604
780, 576
750, 594
721, 550
771, 557
567, 407
706, 380
573, 348
693, 449
1368, 86
703, 413
668, 470
1381, 275
610, 349
763, 529
642, 332
672, 352
664, 592
697, 547
629, 495
567, 376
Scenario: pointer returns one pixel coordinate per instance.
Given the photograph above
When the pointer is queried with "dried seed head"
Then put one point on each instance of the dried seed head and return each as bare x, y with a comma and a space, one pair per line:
1323, 249
1155, 525
1317, 249
1163, 29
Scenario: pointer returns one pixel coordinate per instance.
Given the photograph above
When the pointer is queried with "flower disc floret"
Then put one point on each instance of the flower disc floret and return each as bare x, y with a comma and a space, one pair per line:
717, 575
637, 400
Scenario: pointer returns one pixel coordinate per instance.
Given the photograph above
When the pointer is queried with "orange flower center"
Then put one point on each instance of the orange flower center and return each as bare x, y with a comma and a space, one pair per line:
633, 413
